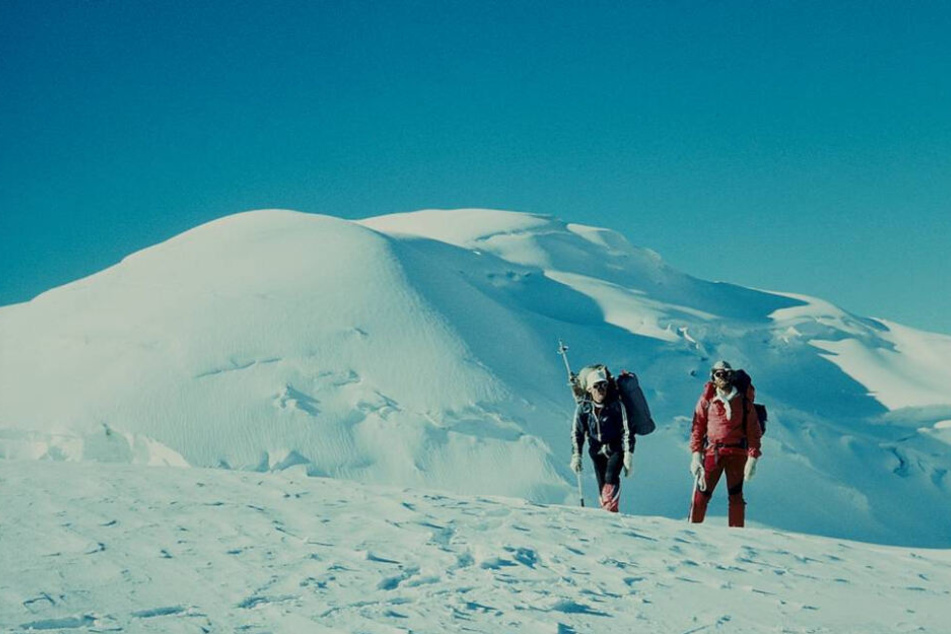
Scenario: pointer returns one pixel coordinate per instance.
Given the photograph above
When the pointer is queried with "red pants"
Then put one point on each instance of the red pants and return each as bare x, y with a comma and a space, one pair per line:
607, 469
610, 496
713, 466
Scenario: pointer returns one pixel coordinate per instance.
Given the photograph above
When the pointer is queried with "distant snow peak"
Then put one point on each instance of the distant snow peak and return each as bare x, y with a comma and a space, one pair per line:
419, 350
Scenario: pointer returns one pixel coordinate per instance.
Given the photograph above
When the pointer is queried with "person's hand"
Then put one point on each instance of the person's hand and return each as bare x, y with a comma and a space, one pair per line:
696, 468
628, 463
575, 462
749, 470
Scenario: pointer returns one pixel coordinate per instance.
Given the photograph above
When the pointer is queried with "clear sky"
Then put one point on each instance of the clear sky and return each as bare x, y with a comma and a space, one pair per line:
795, 146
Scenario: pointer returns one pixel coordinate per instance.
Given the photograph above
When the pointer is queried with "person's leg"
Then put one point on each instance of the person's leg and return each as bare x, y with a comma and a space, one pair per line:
611, 489
600, 464
712, 468
734, 465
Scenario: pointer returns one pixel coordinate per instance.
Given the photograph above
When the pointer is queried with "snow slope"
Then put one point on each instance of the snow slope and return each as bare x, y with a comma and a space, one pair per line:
418, 350
146, 549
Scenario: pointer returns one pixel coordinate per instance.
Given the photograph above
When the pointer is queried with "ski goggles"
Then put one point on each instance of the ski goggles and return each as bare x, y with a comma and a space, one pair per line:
600, 386
723, 374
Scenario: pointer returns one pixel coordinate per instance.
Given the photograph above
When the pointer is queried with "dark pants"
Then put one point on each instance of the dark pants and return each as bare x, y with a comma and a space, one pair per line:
607, 469
713, 466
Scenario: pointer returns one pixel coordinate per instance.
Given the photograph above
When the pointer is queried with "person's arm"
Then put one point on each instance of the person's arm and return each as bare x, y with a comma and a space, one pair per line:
698, 430
628, 440
754, 433
577, 432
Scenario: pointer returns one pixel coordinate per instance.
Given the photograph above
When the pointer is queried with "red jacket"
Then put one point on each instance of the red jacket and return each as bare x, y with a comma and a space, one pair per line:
717, 427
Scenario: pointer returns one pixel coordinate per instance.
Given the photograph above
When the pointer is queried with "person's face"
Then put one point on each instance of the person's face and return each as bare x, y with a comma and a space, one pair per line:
722, 378
597, 391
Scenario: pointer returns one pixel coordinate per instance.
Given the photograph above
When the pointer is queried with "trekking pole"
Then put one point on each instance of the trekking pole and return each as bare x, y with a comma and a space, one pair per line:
563, 351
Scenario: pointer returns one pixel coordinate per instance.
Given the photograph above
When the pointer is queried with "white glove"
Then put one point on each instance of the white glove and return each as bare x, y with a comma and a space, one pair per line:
696, 468
749, 470
575, 462
628, 460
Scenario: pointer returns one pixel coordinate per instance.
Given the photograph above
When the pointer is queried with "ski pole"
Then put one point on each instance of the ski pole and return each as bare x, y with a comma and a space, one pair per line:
563, 351
580, 493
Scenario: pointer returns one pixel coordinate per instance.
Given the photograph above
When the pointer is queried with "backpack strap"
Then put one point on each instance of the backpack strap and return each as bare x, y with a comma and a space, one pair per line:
746, 432
626, 437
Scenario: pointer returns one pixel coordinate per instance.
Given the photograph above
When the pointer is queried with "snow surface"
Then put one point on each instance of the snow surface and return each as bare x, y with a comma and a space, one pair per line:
418, 350
120, 548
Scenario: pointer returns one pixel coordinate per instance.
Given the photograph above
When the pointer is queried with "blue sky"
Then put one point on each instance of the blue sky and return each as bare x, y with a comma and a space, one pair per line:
794, 146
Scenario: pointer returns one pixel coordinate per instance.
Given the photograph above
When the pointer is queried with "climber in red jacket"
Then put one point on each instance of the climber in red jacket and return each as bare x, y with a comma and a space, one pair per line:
725, 438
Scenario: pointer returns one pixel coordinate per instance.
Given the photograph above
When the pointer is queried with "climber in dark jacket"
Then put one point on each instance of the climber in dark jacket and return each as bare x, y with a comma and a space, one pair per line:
602, 419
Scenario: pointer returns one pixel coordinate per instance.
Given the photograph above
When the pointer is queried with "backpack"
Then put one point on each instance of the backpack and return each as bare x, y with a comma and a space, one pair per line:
743, 383
627, 388
632, 397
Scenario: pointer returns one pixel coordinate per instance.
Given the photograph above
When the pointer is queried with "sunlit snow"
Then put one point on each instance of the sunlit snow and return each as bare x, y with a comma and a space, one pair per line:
418, 351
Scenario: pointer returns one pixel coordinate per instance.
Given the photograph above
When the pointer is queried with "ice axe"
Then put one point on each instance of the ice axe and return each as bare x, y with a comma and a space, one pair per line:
698, 483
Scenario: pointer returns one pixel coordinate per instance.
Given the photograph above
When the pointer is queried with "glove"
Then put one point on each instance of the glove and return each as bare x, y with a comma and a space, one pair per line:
628, 460
696, 468
749, 470
575, 462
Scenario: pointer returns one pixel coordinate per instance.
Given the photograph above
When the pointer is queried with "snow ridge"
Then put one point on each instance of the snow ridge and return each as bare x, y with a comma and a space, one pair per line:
418, 350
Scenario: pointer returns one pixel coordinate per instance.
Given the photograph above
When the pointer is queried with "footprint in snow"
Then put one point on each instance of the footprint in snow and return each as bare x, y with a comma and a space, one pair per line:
496, 563
394, 581
163, 611
43, 598
524, 556
573, 607
68, 623
383, 560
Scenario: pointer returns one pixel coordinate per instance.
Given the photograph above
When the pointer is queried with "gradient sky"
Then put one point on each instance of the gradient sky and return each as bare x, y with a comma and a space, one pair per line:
794, 146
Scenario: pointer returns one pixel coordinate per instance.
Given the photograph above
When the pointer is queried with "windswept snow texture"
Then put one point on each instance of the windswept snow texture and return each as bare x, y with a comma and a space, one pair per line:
418, 350
139, 549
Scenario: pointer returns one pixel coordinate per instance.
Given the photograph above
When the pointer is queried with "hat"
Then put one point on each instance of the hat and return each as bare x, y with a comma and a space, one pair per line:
721, 365
598, 375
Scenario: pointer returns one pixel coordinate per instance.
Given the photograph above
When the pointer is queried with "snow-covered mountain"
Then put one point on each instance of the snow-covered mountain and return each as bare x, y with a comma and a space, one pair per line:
418, 350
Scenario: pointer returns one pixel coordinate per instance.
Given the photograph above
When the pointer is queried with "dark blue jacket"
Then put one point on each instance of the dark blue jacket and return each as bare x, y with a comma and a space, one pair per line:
606, 426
